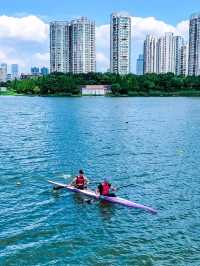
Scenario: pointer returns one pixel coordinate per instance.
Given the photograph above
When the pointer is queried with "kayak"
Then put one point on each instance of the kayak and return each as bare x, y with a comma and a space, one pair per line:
117, 200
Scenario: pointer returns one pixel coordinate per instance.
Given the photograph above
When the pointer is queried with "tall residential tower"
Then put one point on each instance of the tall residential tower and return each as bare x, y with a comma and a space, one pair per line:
166, 54
120, 43
140, 65
183, 70
194, 46
150, 54
72, 46
82, 50
59, 46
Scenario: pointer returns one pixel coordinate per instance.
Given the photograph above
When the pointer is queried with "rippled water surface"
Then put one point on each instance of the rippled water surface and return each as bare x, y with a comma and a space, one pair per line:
153, 143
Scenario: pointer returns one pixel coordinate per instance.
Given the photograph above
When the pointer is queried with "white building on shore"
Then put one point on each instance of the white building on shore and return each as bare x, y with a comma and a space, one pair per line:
96, 90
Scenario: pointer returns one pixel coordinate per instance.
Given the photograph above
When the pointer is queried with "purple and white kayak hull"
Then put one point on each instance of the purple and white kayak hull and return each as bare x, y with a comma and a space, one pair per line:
116, 200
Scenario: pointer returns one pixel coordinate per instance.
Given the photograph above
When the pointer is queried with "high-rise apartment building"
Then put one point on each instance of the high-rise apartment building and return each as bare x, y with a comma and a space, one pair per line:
150, 54
194, 45
163, 55
184, 55
178, 44
166, 54
82, 38
59, 46
140, 65
72, 46
120, 43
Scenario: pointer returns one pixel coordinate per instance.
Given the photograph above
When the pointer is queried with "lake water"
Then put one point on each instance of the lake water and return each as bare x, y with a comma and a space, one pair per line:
153, 143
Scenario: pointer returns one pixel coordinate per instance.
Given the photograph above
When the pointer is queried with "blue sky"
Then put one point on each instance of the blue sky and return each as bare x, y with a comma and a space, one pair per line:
171, 11
24, 25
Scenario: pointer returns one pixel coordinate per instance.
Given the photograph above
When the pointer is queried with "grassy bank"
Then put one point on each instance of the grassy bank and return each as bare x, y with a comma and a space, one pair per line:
187, 93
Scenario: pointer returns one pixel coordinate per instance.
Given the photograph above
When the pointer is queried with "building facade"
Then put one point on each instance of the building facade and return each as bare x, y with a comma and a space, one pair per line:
178, 44
166, 54
72, 46
120, 43
140, 65
194, 45
96, 90
184, 56
3, 72
82, 39
59, 46
150, 54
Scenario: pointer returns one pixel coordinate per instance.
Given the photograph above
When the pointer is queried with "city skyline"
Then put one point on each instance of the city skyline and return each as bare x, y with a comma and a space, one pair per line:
32, 49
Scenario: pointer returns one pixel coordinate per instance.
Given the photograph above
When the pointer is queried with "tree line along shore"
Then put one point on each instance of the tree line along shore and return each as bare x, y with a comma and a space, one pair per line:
60, 84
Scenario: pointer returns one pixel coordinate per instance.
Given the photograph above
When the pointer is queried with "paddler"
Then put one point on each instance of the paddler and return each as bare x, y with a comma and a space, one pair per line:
105, 187
80, 181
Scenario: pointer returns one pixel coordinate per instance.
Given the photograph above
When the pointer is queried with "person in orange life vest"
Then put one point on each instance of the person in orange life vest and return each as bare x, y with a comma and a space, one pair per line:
104, 189
80, 181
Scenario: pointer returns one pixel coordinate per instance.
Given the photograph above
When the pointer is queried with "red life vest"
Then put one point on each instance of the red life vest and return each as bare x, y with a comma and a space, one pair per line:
80, 180
105, 188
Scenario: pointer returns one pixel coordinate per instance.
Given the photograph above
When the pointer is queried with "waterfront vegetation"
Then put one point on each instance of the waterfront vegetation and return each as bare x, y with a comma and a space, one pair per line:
59, 84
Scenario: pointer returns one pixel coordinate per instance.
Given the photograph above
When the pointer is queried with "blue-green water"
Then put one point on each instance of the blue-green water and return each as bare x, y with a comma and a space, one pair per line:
152, 142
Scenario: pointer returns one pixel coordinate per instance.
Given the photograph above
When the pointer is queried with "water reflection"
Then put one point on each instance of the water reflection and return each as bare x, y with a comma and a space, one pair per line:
106, 210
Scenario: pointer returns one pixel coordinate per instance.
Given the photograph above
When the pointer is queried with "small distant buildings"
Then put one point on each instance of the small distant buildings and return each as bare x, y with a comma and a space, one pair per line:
44, 71
35, 71
15, 71
96, 90
140, 65
9, 77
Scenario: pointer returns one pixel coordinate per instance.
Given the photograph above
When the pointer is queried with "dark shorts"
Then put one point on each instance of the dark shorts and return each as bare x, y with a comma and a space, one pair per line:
81, 187
110, 195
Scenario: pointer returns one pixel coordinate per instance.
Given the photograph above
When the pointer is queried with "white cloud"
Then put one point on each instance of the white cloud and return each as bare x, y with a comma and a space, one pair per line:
102, 61
43, 59
183, 29
29, 28
103, 36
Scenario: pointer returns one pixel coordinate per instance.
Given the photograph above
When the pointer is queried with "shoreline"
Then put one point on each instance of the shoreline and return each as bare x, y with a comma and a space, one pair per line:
146, 95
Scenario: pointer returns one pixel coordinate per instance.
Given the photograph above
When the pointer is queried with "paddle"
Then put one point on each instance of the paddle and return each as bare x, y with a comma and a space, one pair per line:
58, 187
65, 176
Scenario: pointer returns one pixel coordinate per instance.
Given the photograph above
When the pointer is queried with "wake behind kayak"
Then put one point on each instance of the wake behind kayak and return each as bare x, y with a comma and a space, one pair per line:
116, 200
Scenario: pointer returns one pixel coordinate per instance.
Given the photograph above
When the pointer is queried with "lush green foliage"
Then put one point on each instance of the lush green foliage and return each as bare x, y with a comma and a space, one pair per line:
128, 85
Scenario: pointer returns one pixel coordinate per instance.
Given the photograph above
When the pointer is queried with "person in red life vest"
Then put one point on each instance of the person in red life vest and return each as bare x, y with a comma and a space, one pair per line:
80, 181
104, 189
